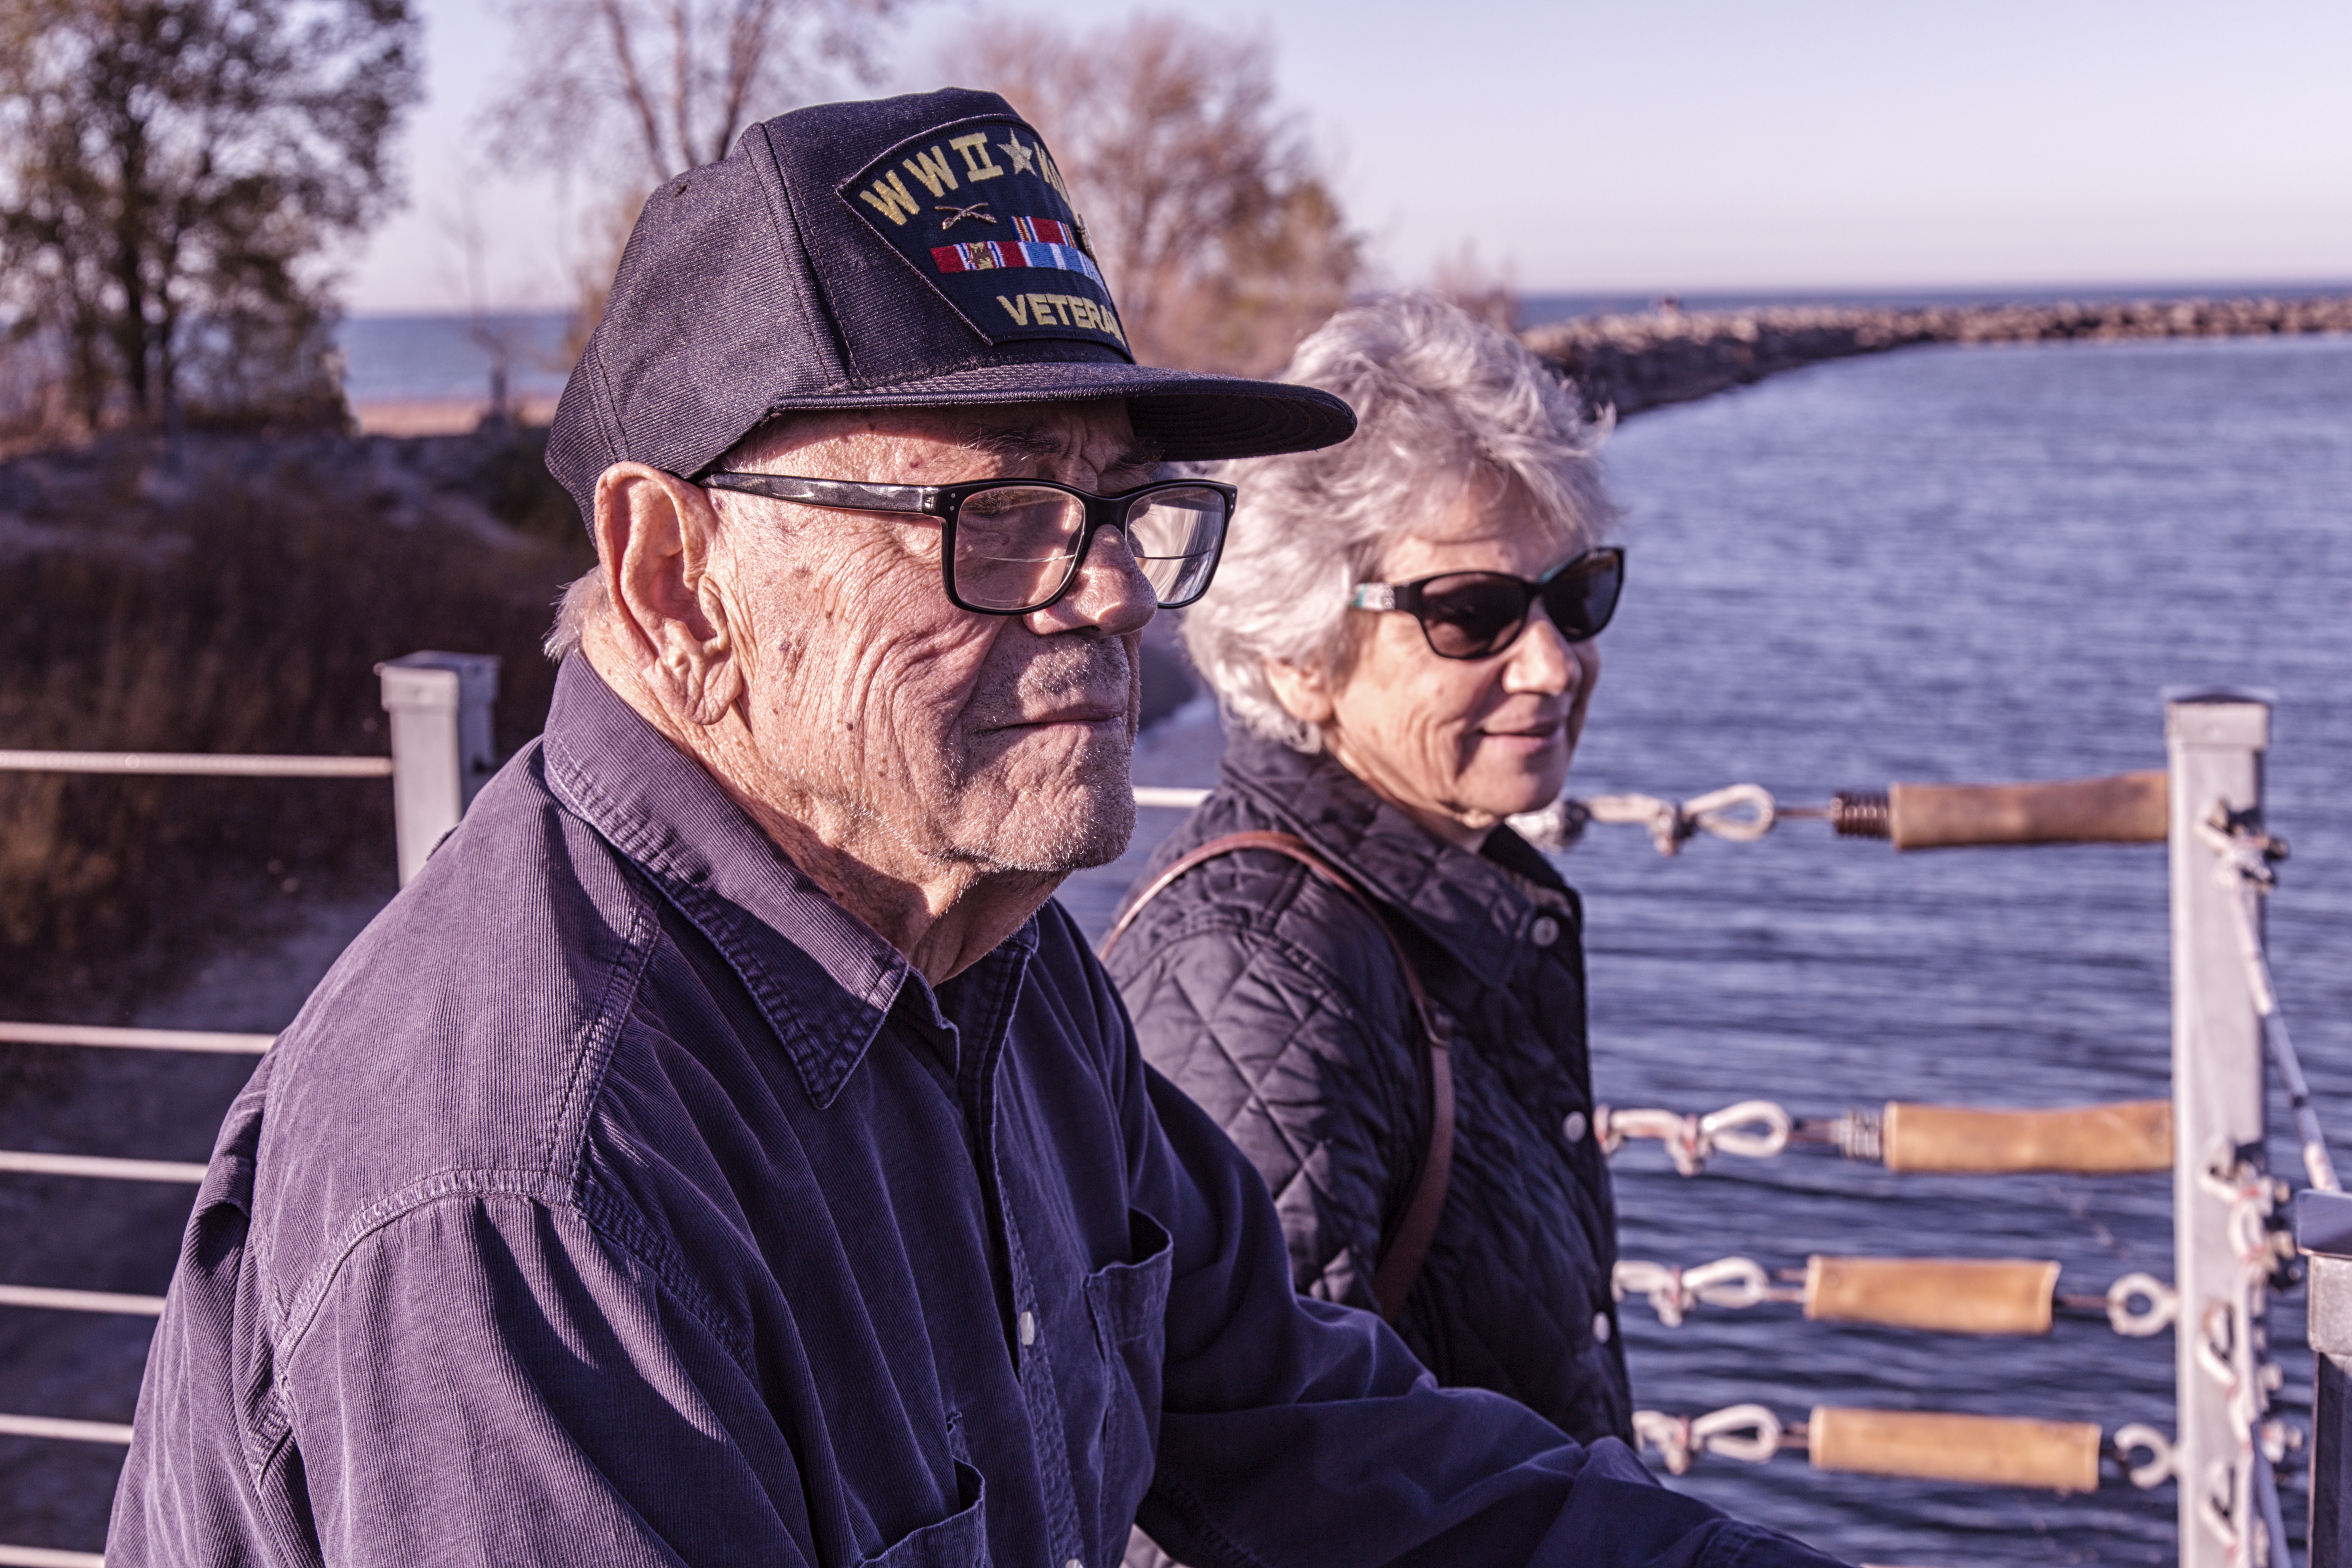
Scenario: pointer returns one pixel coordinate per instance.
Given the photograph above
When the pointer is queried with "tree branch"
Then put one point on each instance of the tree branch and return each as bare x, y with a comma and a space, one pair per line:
633, 85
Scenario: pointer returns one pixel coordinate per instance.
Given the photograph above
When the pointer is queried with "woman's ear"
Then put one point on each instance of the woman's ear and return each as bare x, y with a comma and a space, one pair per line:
1304, 692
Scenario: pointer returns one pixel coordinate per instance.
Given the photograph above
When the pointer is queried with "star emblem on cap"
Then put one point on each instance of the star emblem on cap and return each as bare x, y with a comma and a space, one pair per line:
1022, 157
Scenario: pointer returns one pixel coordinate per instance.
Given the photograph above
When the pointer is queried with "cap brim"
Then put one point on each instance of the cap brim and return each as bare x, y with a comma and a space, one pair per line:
1188, 416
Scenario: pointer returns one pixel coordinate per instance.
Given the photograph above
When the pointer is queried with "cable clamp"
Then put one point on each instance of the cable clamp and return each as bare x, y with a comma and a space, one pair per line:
2158, 1468
2163, 1305
1753, 1129
2215, 1508
1727, 1282
1741, 813
1748, 1433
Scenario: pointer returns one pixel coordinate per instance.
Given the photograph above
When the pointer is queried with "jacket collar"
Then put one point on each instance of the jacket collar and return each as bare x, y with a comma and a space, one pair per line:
823, 978
1478, 908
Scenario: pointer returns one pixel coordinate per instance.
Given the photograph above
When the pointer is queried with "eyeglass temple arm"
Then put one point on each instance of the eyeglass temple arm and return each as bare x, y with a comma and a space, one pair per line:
1374, 596
845, 495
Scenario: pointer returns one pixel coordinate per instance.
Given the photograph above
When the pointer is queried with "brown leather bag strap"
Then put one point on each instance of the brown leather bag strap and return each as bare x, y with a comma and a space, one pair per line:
1406, 1245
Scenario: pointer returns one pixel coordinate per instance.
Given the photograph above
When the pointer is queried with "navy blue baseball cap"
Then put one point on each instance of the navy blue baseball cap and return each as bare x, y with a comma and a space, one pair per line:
904, 253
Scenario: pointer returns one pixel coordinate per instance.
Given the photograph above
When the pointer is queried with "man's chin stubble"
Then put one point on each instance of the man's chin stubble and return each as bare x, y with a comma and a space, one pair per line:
1091, 827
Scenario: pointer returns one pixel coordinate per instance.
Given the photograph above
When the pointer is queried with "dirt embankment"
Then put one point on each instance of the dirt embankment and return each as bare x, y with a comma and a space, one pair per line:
233, 596
1632, 363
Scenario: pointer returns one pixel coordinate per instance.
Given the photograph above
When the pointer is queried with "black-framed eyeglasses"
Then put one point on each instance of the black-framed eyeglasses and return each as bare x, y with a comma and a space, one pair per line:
1477, 614
1011, 546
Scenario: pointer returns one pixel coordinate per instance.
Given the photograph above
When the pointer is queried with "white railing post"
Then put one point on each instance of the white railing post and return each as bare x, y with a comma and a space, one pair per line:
2215, 739
441, 748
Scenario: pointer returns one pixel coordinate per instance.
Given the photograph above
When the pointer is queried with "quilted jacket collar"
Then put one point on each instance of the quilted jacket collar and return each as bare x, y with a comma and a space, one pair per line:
1478, 908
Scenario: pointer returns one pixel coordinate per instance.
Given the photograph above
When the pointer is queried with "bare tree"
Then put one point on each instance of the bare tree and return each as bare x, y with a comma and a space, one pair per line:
171, 173
1204, 202
668, 84
621, 94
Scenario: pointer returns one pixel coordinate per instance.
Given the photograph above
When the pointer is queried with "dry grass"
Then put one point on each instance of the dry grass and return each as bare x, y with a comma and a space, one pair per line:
235, 600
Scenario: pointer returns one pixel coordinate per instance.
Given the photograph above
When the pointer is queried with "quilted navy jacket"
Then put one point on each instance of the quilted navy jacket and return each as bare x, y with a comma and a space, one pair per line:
1273, 1001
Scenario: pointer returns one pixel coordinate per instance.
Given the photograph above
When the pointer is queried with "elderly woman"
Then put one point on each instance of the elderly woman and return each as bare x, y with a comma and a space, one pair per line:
1400, 637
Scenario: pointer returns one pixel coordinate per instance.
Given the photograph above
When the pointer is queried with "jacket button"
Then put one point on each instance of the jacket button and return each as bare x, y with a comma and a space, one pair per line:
1601, 1329
1545, 931
1028, 1330
1574, 1128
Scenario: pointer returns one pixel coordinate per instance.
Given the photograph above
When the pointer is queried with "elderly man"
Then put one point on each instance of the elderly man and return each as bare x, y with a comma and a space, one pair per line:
724, 1152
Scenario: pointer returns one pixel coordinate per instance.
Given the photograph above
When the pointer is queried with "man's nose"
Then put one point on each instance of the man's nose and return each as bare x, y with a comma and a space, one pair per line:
1110, 593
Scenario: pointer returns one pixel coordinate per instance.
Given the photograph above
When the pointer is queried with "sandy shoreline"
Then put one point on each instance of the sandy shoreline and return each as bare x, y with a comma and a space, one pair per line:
442, 416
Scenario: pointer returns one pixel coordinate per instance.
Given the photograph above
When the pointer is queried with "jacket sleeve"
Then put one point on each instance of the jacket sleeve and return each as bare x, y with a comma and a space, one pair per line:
1293, 1034
1295, 1432
485, 1380
495, 1382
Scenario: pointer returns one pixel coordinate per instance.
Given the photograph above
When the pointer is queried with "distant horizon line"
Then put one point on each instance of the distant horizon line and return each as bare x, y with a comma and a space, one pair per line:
2205, 288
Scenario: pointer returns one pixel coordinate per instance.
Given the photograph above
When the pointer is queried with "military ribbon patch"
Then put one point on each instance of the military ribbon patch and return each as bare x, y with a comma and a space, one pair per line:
978, 256
965, 205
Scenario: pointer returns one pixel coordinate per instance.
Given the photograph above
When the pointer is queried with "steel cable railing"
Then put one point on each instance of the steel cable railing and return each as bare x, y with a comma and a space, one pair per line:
196, 765
440, 709
135, 1039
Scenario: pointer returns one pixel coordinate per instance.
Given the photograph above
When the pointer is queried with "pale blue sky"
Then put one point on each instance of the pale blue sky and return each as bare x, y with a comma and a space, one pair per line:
1668, 145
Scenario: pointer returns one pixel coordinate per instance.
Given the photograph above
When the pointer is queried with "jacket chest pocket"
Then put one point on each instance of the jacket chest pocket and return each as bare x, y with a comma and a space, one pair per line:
1128, 1304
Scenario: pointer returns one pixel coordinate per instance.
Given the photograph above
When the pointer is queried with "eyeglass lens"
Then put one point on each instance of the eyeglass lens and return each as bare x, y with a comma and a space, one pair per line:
1472, 614
1175, 534
1016, 547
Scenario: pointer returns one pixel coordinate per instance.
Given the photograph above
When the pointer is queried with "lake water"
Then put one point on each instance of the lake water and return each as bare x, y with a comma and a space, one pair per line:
433, 359
1946, 564
1536, 309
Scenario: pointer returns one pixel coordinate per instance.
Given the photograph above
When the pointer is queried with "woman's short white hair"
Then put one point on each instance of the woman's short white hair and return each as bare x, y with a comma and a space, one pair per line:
1444, 403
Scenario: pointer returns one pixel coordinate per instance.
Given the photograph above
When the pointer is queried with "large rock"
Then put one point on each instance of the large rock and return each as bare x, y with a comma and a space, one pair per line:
1632, 363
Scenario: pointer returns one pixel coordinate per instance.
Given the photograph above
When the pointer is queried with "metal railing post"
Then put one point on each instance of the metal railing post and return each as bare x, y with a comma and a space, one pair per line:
441, 748
2323, 1229
2215, 739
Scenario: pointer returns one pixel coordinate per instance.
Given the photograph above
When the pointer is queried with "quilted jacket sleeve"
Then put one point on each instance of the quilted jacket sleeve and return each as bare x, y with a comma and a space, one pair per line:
1275, 1005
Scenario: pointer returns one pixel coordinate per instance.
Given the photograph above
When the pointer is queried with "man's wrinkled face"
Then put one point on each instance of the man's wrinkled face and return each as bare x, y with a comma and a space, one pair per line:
1001, 743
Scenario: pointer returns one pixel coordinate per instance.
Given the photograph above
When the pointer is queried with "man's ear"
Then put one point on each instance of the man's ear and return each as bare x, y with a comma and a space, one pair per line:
658, 541
1304, 692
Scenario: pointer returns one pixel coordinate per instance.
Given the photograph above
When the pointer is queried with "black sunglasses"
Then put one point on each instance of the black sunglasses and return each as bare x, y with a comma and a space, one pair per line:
1477, 614
1011, 546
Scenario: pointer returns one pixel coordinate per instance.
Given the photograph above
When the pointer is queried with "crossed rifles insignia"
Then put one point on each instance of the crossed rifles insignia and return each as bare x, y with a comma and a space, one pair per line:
978, 210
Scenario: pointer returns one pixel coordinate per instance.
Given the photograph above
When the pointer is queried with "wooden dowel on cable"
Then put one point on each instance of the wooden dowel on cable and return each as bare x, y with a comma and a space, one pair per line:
1980, 1450
1943, 1295
2088, 1139
2126, 808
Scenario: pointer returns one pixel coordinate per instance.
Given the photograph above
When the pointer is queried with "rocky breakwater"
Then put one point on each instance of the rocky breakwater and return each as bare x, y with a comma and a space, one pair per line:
1630, 363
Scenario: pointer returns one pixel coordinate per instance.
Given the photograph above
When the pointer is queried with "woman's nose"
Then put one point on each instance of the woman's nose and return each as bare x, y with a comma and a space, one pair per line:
1542, 660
